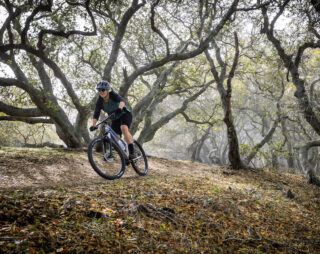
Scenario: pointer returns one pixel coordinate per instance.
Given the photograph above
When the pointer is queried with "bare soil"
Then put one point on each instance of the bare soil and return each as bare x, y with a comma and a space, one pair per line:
52, 201
29, 169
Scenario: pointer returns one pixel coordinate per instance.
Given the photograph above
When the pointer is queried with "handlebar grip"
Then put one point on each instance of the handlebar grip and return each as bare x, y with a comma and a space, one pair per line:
92, 128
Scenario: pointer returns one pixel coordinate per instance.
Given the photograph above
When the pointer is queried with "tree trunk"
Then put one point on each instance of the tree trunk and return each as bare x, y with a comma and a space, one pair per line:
150, 129
293, 68
81, 126
196, 147
303, 156
225, 95
316, 5
304, 102
274, 160
265, 140
234, 155
286, 135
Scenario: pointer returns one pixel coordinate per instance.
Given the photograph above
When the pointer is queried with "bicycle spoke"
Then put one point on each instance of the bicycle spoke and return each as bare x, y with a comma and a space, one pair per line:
139, 163
107, 164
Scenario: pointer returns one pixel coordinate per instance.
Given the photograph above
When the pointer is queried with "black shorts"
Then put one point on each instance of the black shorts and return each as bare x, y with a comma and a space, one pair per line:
125, 119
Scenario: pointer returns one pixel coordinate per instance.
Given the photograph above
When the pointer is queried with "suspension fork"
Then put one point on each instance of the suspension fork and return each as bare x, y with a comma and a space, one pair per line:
109, 141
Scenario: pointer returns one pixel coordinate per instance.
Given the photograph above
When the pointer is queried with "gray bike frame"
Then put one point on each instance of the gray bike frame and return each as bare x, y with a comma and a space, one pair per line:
113, 138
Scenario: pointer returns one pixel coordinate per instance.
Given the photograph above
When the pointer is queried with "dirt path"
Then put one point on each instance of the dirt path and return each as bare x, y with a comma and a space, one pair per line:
35, 168
179, 207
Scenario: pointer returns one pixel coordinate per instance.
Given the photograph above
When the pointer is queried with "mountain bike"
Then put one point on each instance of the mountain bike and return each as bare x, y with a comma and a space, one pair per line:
109, 154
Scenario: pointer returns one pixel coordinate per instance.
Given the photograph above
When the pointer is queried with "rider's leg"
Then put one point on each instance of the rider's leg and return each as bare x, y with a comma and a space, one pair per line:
128, 138
126, 133
126, 121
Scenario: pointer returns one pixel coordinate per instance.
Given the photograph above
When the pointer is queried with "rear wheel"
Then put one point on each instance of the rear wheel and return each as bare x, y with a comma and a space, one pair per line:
140, 163
109, 165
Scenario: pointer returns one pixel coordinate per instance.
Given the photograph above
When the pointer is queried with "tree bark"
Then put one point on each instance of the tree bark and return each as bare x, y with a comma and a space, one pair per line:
150, 129
303, 156
180, 54
293, 67
285, 133
20, 40
196, 146
42, 97
316, 5
118, 38
265, 140
30, 120
150, 98
233, 154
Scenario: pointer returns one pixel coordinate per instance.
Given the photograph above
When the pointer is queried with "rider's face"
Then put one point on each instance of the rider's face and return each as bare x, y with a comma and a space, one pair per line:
103, 93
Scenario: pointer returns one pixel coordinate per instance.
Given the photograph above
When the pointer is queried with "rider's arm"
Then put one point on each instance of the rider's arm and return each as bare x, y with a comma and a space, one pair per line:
121, 104
94, 121
97, 110
116, 97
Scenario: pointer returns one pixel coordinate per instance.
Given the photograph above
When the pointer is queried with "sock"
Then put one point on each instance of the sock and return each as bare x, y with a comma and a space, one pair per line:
130, 147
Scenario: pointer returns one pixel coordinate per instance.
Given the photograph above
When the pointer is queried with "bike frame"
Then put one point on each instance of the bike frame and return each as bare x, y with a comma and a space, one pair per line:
112, 137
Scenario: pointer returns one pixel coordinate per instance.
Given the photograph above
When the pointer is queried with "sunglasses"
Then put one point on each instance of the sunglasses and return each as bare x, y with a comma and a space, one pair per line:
101, 90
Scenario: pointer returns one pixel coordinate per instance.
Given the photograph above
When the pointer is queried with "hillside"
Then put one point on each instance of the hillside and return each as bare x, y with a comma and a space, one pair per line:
52, 201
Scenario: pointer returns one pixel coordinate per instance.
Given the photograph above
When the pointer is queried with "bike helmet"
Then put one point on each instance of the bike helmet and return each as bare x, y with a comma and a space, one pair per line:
103, 85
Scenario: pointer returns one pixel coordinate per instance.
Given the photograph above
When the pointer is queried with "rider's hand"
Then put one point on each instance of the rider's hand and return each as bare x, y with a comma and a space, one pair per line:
92, 128
118, 110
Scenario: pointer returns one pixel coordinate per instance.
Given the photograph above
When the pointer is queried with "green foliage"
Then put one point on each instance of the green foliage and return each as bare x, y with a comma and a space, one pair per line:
20, 134
259, 80
245, 149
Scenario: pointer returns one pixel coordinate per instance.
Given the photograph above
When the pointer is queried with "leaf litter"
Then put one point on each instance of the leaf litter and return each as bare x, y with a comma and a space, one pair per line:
179, 207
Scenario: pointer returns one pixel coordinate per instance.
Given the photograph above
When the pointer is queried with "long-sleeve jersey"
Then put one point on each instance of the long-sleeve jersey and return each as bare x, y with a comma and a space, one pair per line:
110, 106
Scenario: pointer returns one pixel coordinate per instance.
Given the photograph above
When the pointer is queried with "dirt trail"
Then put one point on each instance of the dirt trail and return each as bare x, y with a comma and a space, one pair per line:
178, 204
24, 169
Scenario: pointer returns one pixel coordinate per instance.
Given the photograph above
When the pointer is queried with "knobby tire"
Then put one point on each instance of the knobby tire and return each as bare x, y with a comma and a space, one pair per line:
140, 165
106, 169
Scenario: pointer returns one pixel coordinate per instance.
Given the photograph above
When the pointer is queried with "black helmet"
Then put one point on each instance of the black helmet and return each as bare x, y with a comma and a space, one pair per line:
103, 85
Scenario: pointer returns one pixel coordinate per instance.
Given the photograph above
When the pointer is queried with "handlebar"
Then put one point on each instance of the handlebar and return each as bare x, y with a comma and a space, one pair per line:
111, 116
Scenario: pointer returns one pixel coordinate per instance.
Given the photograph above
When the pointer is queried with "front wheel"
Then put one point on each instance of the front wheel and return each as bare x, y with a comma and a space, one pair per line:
139, 163
109, 164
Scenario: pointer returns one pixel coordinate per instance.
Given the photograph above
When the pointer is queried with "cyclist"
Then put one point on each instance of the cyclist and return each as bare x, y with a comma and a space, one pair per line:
111, 102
